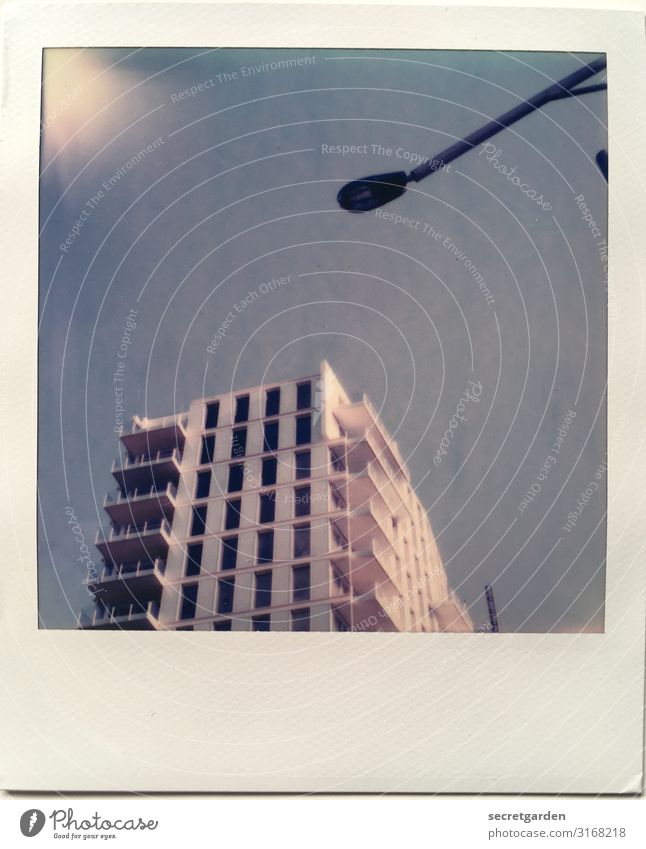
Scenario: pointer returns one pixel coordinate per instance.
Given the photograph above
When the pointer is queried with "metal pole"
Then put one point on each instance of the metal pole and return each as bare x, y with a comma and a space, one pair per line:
553, 92
491, 606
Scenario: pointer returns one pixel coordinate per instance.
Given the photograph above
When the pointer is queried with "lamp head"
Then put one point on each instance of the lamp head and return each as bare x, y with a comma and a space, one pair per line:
371, 192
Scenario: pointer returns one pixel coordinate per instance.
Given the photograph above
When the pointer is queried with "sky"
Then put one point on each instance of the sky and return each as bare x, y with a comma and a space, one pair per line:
472, 310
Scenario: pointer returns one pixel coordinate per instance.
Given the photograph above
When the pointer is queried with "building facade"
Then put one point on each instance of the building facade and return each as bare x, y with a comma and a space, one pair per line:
285, 507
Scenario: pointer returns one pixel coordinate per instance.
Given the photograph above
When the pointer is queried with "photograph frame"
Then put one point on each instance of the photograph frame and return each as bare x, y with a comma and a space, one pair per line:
531, 693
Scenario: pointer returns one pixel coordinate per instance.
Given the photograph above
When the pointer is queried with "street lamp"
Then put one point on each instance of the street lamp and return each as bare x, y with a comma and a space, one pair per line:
379, 189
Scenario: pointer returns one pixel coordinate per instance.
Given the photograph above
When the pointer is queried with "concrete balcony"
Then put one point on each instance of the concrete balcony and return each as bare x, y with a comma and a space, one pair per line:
362, 569
143, 471
453, 616
375, 565
361, 422
138, 506
129, 617
140, 581
378, 609
371, 522
364, 455
130, 543
151, 435
368, 522
368, 480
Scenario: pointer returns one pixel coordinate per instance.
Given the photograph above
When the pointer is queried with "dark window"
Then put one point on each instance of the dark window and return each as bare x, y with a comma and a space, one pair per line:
340, 624
124, 609
229, 553
302, 501
304, 396
189, 601
263, 589
272, 402
242, 408
337, 459
226, 588
236, 476
198, 525
301, 582
203, 485
222, 626
239, 442
301, 540
212, 413
265, 546
184, 628
337, 499
232, 518
208, 449
261, 623
193, 559
303, 430
269, 466
270, 440
339, 539
267, 506
340, 582
303, 465
301, 619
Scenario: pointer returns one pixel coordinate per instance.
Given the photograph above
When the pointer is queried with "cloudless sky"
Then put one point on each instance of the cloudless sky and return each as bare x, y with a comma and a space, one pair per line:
239, 187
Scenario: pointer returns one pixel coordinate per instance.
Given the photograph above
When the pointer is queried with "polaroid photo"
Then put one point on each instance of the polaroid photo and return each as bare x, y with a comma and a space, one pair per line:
324, 416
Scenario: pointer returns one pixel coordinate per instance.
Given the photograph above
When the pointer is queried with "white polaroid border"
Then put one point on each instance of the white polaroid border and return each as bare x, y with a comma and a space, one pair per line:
116, 711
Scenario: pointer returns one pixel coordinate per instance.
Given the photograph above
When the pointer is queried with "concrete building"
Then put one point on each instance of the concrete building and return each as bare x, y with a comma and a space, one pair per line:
286, 507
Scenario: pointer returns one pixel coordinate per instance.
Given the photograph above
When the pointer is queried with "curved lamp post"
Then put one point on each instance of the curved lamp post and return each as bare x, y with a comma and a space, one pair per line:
379, 189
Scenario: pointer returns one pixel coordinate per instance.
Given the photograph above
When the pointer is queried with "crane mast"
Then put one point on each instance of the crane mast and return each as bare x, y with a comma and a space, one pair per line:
491, 606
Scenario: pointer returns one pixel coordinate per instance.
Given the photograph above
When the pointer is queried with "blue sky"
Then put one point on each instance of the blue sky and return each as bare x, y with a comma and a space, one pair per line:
236, 185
